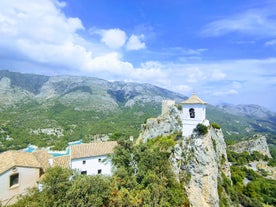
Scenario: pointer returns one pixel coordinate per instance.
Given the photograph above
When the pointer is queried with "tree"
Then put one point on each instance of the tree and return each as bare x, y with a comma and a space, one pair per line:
89, 191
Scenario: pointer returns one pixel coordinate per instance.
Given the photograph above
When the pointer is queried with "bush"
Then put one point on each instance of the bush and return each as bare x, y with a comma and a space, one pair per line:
179, 107
201, 129
216, 126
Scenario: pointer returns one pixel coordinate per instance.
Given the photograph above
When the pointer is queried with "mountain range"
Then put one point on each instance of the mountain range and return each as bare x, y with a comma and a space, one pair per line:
52, 110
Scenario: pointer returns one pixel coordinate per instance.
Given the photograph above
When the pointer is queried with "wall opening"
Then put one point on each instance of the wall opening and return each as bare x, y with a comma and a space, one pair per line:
14, 180
192, 112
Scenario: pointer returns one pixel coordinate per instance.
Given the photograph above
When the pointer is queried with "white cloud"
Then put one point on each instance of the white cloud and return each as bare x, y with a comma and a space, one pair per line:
40, 21
259, 22
113, 38
194, 75
226, 92
271, 43
184, 89
38, 32
217, 75
135, 42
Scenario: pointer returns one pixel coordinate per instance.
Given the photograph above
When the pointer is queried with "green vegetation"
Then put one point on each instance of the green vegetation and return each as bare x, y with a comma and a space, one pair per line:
249, 187
201, 129
18, 122
244, 157
257, 191
143, 177
179, 107
215, 125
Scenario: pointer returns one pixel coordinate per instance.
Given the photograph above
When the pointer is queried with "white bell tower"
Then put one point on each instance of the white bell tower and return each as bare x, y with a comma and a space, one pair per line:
193, 113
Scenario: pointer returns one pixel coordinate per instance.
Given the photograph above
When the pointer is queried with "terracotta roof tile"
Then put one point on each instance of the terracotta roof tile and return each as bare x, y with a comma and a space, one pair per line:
62, 161
14, 158
92, 149
43, 157
194, 99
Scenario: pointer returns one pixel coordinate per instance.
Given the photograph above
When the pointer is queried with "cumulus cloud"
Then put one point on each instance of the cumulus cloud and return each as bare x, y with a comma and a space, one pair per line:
113, 38
38, 32
135, 42
40, 21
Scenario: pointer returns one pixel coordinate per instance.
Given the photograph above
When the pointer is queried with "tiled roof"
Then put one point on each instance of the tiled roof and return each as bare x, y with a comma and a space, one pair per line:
194, 99
62, 161
92, 149
43, 157
14, 158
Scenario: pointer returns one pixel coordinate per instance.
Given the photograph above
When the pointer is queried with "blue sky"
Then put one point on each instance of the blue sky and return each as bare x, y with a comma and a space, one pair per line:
225, 51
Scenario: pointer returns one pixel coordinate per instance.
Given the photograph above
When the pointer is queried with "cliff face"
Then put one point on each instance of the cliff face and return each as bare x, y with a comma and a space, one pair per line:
200, 161
258, 143
197, 160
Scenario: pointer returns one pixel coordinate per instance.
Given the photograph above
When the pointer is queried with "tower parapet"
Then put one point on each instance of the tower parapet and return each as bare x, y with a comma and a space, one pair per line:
166, 104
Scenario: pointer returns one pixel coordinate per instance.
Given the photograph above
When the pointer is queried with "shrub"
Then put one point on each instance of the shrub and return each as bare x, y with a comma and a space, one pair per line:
201, 129
216, 125
179, 107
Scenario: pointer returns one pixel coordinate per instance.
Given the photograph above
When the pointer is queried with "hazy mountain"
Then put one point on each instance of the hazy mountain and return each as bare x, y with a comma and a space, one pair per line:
34, 107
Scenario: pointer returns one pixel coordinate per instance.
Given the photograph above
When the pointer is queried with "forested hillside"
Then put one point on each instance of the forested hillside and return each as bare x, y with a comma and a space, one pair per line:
50, 111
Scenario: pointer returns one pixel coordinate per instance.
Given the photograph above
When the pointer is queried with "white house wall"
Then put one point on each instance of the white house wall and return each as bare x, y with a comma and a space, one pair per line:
92, 165
28, 178
200, 111
189, 124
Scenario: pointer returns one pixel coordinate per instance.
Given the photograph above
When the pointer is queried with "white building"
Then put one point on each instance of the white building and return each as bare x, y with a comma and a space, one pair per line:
20, 171
91, 158
193, 113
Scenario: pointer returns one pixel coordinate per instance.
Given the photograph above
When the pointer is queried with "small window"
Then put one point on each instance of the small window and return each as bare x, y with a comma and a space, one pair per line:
192, 113
99, 171
84, 162
99, 160
14, 179
84, 172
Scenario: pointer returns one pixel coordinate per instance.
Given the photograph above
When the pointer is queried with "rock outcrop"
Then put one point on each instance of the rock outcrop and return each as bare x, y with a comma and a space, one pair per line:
198, 160
257, 143
165, 124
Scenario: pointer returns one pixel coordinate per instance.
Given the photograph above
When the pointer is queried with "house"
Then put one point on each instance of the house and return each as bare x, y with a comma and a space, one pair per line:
193, 113
20, 171
92, 158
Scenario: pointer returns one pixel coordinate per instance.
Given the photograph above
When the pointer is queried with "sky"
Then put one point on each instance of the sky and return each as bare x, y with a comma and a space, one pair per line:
224, 51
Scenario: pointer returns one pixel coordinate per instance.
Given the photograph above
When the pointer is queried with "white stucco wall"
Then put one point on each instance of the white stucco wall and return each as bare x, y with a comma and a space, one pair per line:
28, 178
92, 165
190, 123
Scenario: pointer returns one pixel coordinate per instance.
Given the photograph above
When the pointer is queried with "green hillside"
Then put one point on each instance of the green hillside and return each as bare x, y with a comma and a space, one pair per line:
50, 111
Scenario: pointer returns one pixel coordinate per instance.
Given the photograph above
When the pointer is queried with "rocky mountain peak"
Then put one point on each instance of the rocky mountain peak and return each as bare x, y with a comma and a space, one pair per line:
198, 160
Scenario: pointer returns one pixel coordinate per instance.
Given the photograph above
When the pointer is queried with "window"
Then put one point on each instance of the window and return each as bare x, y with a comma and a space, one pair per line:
192, 113
84, 162
99, 171
84, 172
99, 160
14, 179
